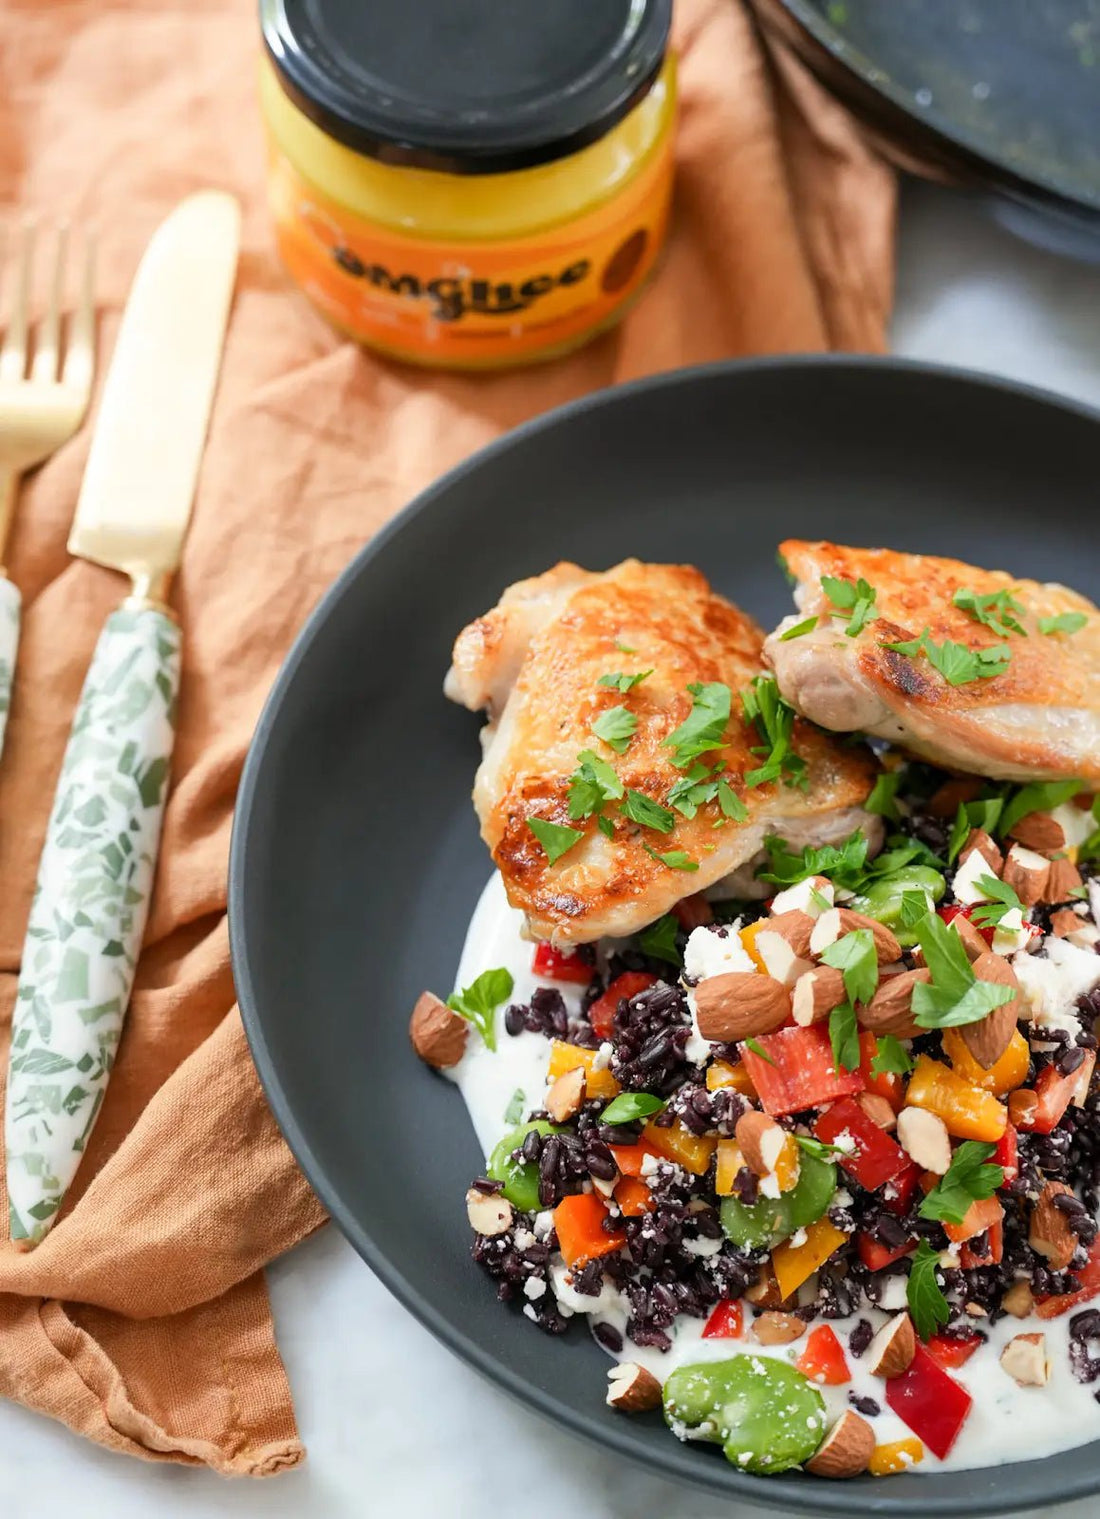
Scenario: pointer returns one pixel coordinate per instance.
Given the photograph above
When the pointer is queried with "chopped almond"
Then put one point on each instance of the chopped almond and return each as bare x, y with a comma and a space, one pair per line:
1063, 880
978, 839
632, 1389
1027, 873
892, 1350
924, 1138
1026, 1361
1039, 831
438, 1035
846, 1450
1049, 1233
778, 1328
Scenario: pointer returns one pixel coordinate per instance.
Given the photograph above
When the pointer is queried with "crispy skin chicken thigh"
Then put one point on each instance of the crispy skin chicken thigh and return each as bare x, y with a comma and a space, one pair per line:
535, 662
1037, 720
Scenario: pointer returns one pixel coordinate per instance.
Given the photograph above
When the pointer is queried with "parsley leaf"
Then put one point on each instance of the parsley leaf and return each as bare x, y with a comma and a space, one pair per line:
891, 1058
774, 721
854, 954
623, 683
479, 1001
816, 1147
675, 859
704, 728
927, 1304
555, 839
606, 826
882, 799
616, 727
759, 1050
624, 648
954, 995
1038, 796
915, 905
692, 790
955, 662
642, 809
842, 863
658, 941
806, 626
967, 1180
989, 914
982, 814
995, 610
514, 1111
1065, 622
858, 599
844, 1037
730, 803
593, 783
630, 1105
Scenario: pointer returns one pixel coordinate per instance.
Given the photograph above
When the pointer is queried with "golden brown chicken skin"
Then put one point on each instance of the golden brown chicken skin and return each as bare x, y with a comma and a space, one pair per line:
674, 626
1037, 717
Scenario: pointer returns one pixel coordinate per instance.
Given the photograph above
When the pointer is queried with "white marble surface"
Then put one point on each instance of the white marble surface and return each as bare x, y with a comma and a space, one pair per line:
390, 1418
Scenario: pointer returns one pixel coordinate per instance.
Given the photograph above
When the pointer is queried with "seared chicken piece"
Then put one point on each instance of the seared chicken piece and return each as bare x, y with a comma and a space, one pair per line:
535, 662
1035, 718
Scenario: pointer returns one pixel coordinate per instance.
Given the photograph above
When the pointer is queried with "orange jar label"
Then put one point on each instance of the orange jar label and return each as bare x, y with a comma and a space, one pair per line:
478, 304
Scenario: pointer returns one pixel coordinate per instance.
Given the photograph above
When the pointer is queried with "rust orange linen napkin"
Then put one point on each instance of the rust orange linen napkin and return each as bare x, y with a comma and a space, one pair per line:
142, 1321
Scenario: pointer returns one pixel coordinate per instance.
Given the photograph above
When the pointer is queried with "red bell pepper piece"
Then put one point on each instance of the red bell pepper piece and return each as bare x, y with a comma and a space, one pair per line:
954, 909
930, 1402
629, 1158
693, 912
797, 1071
1061, 1302
1006, 1155
897, 1195
992, 1255
983, 1214
1055, 1093
726, 1321
876, 1257
561, 965
876, 1158
954, 1349
886, 1084
823, 1359
602, 1012
578, 1221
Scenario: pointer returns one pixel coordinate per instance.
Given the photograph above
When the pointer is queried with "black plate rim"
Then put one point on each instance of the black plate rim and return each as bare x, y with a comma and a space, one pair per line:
680, 1462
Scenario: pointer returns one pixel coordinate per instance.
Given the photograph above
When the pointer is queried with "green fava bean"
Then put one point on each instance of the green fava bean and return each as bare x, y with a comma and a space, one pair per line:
766, 1222
520, 1178
766, 1416
882, 899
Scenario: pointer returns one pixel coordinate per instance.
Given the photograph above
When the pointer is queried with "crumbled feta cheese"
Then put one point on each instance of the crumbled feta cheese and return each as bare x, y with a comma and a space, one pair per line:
893, 1294
800, 897
1011, 933
799, 1237
529, 1313
534, 1288
602, 1058
651, 1164
845, 1142
842, 1198
544, 1222
702, 1246
709, 954
1077, 822
965, 885
607, 1301
524, 1239
1053, 981
698, 1050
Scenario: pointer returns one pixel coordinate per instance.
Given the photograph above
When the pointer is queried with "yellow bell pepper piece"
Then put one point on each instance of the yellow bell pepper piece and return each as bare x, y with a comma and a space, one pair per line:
723, 1073
795, 1264
567, 1057
730, 1161
692, 1151
897, 1456
1005, 1075
748, 939
967, 1111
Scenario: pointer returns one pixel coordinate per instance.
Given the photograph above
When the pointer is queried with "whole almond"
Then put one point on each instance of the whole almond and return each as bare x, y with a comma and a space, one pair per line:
1039, 831
1027, 873
988, 1039
890, 1010
846, 1450
892, 1350
740, 1005
778, 1328
796, 927
632, 1389
1062, 923
1023, 1104
887, 947
978, 839
1049, 1233
971, 937
438, 1035
1062, 880
878, 1110
816, 993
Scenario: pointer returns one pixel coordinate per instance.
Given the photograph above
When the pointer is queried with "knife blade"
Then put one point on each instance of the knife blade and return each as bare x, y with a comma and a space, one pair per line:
95, 875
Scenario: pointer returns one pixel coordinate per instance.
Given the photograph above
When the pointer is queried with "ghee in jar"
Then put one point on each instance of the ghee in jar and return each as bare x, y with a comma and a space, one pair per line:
467, 184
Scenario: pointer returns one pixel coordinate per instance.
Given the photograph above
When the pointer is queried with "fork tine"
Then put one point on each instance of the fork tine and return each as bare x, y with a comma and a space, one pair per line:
80, 349
13, 354
44, 368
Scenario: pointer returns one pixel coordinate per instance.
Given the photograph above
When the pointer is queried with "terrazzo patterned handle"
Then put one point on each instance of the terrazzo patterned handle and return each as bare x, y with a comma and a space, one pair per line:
10, 605
88, 914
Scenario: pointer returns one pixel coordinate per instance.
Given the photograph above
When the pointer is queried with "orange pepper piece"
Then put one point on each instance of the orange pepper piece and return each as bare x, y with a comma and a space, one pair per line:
897, 1456
795, 1264
748, 939
1005, 1075
730, 1161
692, 1151
724, 1073
633, 1197
581, 1235
967, 1111
984, 1213
567, 1057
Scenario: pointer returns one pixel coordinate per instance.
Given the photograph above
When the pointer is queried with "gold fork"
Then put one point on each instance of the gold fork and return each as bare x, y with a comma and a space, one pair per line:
42, 402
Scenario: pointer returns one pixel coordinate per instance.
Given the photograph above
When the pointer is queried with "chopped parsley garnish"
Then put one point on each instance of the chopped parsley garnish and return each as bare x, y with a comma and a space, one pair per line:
954, 995
855, 956
555, 839
693, 790
774, 721
623, 683
592, 785
807, 625
624, 648
995, 610
758, 1049
642, 809
882, 800
967, 1180
514, 1111
1065, 622
1037, 796
675, 859
785, 567
730, 803
915, 905
704, 728
605, 825
844, 1037
616, 727
891, 1058
858, 600
658, 941
927, 1304
842, 863
983, 814
989, 914
480, 1000
955, 662
816, 1147
630, 1105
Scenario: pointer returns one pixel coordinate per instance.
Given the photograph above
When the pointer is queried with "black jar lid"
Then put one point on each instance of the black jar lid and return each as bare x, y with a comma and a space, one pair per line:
466, 86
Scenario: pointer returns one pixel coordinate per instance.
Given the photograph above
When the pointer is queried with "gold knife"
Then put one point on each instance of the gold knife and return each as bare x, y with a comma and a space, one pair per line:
96, 872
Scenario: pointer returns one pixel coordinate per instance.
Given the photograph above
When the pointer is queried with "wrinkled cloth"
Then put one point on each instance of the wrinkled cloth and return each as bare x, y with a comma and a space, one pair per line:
142, 1321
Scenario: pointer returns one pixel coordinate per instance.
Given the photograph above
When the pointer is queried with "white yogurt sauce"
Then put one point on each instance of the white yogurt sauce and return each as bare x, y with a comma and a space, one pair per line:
1006, 1423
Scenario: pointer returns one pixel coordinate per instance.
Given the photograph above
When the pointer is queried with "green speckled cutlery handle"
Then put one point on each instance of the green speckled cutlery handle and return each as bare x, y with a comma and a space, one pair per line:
10, 606
88, 915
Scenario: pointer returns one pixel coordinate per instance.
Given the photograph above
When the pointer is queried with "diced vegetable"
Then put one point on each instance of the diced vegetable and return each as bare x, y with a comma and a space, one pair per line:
990, 1255
895, 1456
770, 1220
578, 1221
566, 1057
633, 1197
796, 1071
726, 1321
765, 1415
602, 1012
1055, 1093
1006, 1155
724, 1073
693, 912
956, 910
930, 1402
823, 1360
692, 1151
1061, 1302
629, 1158
748, 939
795, 1264
729, 1161
886, 1084
868, 1154
877, 1257
561, 965
882, 899
1005, 1075
520, 1178
967, 1111
955, 1348
984, 1213
898, 1194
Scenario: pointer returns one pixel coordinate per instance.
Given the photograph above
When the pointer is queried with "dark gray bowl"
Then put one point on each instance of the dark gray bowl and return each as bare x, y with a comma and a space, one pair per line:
356, 859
